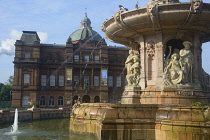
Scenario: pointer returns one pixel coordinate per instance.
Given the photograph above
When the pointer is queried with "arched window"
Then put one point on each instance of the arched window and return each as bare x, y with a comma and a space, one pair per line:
75, 98
42, 101
86, 99
60, 101
51, 101
96, 99
176, 45
25, 101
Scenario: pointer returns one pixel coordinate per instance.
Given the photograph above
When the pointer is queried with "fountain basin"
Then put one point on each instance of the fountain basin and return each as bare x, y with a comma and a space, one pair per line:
137, 121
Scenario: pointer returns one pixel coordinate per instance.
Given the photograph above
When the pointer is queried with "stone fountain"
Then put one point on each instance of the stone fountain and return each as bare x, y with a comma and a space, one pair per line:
167, 87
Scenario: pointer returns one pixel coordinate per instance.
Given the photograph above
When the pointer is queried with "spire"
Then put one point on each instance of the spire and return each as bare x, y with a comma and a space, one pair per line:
86, 23
85, 12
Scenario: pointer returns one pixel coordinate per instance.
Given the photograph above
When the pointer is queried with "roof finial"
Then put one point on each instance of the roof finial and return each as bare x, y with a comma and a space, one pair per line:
86, 12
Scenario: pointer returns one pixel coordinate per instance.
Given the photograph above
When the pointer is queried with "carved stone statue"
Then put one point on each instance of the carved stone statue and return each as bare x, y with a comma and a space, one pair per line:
117, 16
196, 5
186, 59
173, 70
134, 71
178, 72
129, 62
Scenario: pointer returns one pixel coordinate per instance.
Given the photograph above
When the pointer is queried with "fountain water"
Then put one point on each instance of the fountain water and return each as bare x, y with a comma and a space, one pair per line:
14, 128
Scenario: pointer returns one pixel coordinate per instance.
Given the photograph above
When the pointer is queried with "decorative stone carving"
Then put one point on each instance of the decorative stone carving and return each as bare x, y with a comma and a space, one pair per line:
165, 1
196, 5
129, 62
207, 113
76, 105
133, 70
118, 16
151, 8
178, 72
150, 49
186, 59
173, 71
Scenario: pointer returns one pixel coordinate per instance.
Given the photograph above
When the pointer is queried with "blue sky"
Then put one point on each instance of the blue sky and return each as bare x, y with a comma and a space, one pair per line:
55, 20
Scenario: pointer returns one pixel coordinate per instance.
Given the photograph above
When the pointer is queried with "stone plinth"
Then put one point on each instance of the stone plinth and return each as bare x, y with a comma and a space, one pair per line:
131, 95
182, 98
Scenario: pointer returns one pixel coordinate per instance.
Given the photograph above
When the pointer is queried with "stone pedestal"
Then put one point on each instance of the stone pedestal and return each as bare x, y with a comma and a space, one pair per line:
131, 95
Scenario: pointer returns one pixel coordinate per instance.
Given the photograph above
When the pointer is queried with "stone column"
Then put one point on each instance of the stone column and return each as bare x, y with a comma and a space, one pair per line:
20, 76
143, 67
159, 62
197, 70
16, 75
92, 77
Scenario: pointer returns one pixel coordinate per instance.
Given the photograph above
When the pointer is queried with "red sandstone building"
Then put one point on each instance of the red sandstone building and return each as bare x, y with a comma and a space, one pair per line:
55, 75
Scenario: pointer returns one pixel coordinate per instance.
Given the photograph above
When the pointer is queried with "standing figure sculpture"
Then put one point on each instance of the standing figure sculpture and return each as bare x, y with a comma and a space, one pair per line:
129, 61
133, 75
186, 59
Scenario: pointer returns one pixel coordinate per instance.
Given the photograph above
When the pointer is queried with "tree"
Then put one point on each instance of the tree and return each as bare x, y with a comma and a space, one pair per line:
5, 89
1, 85
10, 81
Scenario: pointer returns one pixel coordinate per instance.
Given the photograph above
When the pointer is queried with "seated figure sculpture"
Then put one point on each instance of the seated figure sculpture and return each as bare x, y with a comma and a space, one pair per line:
179, 70
173, 70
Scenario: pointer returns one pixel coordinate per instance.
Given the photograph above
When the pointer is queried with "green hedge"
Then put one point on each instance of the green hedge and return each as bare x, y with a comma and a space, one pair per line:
5, 104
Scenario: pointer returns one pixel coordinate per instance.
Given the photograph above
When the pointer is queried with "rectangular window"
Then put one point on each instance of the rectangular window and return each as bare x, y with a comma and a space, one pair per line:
76, 81
96, 59
60, 101
68, 76
26, 79
51, 101
110, 81
118, 84
27, 55
96, 81
61, 80
76, 58
43, 80
87, 58
86, 81
104, 77
52, 80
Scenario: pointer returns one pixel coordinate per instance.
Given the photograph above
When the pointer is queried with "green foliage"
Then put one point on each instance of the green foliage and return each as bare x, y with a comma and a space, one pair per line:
5, 89
10, 81
1, 85
5, 92
197, 104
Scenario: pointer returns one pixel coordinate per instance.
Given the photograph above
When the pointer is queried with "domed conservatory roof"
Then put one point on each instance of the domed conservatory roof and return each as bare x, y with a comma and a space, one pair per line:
85, 32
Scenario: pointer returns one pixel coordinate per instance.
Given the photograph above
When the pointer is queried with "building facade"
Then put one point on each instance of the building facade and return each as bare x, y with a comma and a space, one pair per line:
53, 75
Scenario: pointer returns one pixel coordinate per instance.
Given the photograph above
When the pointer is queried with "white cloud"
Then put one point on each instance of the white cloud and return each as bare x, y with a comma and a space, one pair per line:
15, 34
43, 36
7, 46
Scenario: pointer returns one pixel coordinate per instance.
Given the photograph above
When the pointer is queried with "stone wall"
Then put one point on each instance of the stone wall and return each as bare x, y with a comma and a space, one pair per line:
136, 121
7, 116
